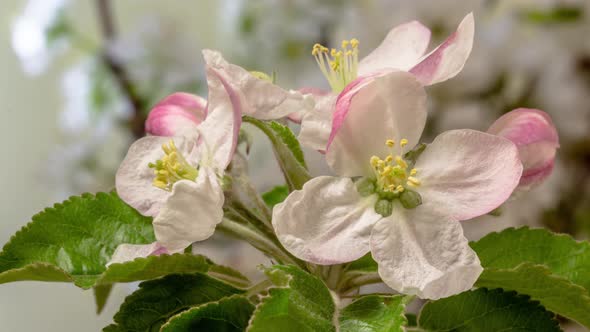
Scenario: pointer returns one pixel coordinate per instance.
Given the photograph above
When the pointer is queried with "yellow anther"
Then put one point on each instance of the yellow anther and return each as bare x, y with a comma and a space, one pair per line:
401, 162
403, 142
413, 181
400, 188
339, 66
171, 167
389, 159
387, 170
354, 42
390, 143
413, 172
375, 160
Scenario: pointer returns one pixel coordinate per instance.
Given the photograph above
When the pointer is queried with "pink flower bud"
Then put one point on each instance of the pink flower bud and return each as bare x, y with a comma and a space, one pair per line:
535, 136
177, 112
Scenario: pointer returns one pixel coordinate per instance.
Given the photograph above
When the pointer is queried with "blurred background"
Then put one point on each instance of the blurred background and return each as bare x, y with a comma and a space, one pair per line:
78, 78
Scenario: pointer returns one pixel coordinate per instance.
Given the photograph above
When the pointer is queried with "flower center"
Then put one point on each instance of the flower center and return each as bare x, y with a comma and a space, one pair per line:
393, 174
338, 66
171, 168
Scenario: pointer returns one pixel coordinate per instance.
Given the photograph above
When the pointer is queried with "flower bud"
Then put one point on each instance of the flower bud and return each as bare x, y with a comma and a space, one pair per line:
410, 199
175, 113
535, 136
384, 207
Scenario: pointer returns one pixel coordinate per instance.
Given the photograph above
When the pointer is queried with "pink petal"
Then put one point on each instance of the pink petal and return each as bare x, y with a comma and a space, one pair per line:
331, 230
448, 59
175, 114
422, 253
316, 125
369, 112
536, 137
467, 173
264, 100
128, 252
317, 94
401, 49
221, 128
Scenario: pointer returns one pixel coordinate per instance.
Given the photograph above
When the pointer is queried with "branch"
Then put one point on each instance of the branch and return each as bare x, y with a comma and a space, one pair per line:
107, 26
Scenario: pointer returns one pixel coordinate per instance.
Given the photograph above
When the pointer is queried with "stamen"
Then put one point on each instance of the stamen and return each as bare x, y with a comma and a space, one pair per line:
338, 66
171, 168
392, 173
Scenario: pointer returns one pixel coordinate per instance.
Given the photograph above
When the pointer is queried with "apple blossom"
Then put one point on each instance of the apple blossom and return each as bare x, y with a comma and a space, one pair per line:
535, 135
402, 49
178, 179
404, 210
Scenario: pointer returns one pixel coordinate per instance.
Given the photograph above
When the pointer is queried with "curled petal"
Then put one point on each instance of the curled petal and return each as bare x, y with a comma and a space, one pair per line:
134, 177
535, 135
317, 94
390, 106
176, 114
326, 222
401, 49
316, 125
191, 212
265, 100
467, 173
128, 252
424, 254
221, 129
448, 59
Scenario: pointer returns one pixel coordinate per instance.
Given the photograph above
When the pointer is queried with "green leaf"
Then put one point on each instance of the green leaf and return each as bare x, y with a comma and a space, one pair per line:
287, 151
148, 308
228, 314
486, 310
375, 313
297, 302
228, 275
73, 241
553, 269
364, 264
101, 295
275, 196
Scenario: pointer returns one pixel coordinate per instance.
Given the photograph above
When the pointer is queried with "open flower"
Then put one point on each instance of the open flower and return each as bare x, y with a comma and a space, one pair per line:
535, 135
402, 49
403, 208
177, 178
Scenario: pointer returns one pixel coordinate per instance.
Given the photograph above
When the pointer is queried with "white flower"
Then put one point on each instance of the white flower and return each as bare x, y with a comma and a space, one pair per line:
406, 213
402, 49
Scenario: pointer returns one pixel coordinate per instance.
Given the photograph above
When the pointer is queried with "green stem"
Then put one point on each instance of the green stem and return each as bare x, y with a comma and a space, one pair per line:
352, 283
258, 288
256, 239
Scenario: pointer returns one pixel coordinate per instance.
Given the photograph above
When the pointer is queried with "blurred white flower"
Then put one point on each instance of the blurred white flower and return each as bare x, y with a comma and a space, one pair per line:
33, 32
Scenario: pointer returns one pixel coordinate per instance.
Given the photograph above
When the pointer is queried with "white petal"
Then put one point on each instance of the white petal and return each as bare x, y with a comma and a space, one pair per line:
316, 125
134, 178
448, 59
128, 252
265, 100
401, 49
467, 173
326, 222
220, 130
191, 212
392, 106
424, 254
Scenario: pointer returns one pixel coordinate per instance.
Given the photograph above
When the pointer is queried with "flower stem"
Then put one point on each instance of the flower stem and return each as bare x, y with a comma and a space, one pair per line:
349, 284
257, 240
